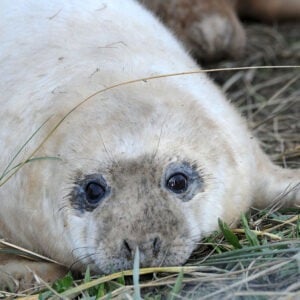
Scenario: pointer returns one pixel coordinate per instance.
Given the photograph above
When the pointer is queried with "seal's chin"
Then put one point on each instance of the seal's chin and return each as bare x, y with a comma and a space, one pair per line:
119, 265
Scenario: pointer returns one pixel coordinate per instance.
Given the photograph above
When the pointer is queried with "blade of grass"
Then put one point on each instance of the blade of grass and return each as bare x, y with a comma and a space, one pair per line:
250, 235
136, 275
177, 287
22, 147
229, 235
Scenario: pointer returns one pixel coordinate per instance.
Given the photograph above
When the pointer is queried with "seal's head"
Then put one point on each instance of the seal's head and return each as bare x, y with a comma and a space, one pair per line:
138, 173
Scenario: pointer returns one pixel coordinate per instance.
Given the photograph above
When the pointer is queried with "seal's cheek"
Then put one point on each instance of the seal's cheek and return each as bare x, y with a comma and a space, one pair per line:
203, 211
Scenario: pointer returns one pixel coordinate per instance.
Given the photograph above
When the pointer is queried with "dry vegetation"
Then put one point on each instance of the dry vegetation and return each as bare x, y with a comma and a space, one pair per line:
269, 99
261, 258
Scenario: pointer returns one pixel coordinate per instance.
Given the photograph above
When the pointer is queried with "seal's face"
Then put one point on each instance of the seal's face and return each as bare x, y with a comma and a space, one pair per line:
139, 183
134, 204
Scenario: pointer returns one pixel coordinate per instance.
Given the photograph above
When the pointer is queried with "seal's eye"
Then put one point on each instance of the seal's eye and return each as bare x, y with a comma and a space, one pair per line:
94, 192
177, 183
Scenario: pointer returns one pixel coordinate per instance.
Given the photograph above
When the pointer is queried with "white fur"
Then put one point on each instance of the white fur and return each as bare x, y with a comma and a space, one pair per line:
54, 54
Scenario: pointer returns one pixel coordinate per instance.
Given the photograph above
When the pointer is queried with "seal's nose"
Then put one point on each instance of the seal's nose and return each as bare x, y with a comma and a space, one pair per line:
149, 249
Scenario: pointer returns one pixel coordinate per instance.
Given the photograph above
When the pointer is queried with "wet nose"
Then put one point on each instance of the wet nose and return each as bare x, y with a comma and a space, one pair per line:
148, 248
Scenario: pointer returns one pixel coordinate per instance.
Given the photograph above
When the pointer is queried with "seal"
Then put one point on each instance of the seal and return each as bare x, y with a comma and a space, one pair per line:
211, 29
102, 153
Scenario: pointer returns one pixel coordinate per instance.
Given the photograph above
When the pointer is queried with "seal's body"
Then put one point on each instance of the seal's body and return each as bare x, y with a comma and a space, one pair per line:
150, 164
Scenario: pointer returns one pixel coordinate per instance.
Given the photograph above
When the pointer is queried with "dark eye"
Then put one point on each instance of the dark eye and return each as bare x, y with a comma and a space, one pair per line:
177, 183
94, 192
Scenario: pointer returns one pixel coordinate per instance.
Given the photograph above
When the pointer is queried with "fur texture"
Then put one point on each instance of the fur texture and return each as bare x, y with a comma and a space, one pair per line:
129, 140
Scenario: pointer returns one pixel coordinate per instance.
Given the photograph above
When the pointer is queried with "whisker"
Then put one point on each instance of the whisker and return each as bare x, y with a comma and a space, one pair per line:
83, 247
159, 139
109, 154
80, 259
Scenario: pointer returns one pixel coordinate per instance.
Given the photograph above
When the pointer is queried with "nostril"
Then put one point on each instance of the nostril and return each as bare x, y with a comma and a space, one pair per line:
156, 246
127, 249
148, 248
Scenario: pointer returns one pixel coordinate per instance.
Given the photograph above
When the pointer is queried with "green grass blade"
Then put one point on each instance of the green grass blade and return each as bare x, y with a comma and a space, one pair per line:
177, 287
250, 235
229, 235
87, 275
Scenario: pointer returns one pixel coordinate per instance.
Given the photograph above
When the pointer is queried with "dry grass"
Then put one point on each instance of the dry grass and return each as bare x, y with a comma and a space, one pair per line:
269, 99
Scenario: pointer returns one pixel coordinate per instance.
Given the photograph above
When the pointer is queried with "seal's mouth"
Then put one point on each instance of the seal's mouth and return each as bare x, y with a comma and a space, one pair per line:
150, 254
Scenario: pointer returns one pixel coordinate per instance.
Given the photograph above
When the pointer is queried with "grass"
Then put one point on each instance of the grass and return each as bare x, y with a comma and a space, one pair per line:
259, 259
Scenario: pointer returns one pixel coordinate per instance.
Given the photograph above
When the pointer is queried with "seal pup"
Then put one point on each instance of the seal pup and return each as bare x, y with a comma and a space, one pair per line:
150, 163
